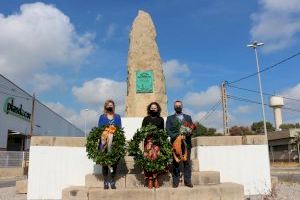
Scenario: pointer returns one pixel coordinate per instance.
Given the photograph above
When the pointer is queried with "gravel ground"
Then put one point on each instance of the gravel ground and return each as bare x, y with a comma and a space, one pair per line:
283, 191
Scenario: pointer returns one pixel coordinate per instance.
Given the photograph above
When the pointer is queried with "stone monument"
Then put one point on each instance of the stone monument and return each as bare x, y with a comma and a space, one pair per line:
145, 81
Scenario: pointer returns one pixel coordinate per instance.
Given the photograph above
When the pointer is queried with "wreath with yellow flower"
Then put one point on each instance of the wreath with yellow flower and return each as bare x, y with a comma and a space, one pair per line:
117, 149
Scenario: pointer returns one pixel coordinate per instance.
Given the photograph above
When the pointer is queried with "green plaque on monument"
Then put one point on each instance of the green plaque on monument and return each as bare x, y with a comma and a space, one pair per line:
144, 81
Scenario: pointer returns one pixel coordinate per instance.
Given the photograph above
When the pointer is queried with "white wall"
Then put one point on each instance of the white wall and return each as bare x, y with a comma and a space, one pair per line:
54, 168
245, 164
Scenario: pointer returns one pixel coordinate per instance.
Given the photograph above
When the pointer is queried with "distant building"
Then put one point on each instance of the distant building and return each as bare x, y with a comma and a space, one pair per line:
15, 116
283, 145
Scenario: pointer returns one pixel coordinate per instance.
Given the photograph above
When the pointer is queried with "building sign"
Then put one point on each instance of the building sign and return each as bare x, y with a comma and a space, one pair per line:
144, 81
10, 108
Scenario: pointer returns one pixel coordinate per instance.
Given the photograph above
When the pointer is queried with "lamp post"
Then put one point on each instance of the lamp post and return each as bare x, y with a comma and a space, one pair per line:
85, 116
254, 46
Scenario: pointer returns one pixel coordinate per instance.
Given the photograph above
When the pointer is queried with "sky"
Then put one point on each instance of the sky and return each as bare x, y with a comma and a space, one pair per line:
72, 53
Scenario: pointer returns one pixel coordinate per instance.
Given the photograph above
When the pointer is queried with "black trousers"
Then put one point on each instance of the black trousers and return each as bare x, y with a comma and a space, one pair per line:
186, 169
105, 172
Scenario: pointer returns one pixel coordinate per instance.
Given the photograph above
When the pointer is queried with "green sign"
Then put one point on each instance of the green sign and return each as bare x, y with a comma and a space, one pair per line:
10, 108
144, 81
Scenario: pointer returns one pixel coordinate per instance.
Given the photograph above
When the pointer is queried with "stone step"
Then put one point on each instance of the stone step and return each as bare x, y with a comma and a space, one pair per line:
223, 191
128, 166
165, 180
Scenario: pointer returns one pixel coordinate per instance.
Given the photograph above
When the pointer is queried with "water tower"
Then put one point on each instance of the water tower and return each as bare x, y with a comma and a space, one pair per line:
276, 103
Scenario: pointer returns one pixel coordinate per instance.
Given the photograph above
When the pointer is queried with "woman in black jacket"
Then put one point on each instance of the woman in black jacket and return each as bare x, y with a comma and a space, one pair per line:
155, 119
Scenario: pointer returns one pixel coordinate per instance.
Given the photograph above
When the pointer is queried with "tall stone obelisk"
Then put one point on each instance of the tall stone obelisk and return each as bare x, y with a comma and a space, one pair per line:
145, 81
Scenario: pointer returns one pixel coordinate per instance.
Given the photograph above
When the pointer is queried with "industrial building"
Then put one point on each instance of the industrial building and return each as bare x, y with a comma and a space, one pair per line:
283, 144
18, 121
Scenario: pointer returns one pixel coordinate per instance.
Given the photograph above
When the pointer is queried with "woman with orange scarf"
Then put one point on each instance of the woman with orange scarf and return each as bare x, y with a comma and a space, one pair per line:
112, 120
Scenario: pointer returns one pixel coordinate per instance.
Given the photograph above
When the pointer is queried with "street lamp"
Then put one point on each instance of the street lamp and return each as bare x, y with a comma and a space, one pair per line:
254, 46
85, 116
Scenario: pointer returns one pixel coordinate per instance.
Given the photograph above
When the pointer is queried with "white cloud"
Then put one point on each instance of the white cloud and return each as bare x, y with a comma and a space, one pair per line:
78, 119
243, 109
277, 24
98, 17
214, 120
203, 98
293, 93
110, 32
96, 91
44, 82
175, 73
37, 36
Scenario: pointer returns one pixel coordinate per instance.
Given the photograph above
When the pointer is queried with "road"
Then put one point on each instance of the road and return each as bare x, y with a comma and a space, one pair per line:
287, 174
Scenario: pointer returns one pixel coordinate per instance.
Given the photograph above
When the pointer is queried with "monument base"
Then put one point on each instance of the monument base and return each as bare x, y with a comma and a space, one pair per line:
57, 163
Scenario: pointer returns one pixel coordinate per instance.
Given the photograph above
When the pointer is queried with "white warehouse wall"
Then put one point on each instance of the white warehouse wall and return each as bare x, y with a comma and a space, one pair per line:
49, 122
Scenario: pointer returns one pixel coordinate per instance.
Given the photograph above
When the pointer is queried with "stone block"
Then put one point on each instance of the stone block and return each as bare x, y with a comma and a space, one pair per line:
121, 194
21, 186
96, 180
217, 141
231, 191
75, 193
205, 178
255, 139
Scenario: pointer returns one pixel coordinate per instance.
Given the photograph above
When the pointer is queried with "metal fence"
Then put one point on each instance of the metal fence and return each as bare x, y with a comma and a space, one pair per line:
13, 158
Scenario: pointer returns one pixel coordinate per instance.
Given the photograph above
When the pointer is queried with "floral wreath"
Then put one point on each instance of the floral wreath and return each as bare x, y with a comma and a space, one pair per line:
159, 138
118, 147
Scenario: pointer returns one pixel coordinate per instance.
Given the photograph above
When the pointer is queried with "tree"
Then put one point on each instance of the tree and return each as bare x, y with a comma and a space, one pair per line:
258, 127
201, 130
240, 130
289, 126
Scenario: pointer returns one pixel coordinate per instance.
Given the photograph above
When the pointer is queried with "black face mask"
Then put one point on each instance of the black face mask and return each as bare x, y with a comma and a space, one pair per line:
153, 113
109, 109
178, 110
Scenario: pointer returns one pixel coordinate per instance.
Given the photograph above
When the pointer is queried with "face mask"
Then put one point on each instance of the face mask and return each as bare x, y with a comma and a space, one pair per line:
109, 109
178, 110
153, 113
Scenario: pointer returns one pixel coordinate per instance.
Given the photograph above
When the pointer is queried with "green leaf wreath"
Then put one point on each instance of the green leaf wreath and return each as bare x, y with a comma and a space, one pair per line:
159, 138
118, 148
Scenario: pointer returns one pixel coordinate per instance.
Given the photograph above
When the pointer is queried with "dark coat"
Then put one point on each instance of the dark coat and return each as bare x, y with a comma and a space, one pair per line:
172, 129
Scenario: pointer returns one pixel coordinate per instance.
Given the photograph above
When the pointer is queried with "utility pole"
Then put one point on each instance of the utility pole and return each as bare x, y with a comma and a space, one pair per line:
224, 106
32, 116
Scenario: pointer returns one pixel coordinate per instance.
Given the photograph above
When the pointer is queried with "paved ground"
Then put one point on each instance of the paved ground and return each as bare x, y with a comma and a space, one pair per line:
287, 174
9, 193
283, 191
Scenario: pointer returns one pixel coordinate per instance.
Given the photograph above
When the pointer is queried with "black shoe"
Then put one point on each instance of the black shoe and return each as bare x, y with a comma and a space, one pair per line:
106, 185
113, 185
189, 184
175, 185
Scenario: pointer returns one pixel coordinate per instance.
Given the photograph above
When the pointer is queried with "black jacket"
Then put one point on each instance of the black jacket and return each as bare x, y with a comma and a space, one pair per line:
156, 121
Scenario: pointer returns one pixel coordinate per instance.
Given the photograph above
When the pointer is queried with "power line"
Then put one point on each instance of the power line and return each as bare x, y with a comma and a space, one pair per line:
265, 69
267, 94
211, 111
256, 102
